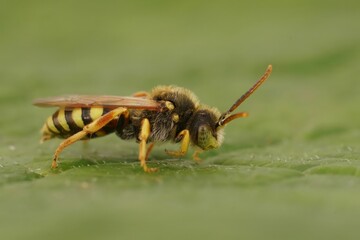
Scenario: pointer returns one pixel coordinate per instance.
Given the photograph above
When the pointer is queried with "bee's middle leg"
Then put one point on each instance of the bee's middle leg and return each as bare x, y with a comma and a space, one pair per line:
184, 137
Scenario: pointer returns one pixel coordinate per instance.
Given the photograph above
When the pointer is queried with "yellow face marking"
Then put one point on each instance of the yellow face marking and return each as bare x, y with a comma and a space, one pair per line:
205, 139
76, 116
96, 112
62, 120
51, 125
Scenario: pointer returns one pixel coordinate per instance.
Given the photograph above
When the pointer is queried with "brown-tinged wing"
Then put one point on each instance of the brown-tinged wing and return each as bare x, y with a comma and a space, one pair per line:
74, 101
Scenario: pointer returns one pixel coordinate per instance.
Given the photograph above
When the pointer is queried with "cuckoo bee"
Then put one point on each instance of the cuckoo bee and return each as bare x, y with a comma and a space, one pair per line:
167, 113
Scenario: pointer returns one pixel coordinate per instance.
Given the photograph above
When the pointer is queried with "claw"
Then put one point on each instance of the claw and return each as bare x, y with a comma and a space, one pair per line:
196, 156
54, 164
147, 169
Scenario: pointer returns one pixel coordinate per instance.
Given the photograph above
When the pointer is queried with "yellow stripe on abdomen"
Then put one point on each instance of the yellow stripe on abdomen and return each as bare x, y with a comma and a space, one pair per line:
68, 121
62, 121
50, 124
76, 116
101, 133
96, 112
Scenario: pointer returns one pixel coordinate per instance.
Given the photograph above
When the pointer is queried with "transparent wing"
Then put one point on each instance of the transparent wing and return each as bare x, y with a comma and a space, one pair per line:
73, 101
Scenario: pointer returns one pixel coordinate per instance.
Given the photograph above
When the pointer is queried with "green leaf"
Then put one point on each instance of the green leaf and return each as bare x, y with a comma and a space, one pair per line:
288, 171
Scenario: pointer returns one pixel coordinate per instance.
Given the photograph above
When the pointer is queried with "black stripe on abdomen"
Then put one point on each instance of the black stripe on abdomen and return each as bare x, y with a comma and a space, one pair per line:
73, 125
85, 116
56, 122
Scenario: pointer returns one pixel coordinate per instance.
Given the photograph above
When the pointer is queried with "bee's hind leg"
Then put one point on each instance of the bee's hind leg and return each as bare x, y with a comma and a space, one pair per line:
92, 127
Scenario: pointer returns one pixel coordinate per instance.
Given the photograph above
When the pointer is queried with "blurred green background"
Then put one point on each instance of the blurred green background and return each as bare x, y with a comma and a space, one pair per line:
289, 171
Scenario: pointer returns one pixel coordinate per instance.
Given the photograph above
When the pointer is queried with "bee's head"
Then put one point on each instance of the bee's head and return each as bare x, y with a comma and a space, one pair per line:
203, 128
206, 124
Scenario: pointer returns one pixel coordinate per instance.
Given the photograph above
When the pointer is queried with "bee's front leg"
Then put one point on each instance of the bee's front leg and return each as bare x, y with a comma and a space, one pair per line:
143, 152
184, 137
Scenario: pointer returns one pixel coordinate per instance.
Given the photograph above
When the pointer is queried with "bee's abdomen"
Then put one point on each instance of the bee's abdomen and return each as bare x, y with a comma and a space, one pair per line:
66, 122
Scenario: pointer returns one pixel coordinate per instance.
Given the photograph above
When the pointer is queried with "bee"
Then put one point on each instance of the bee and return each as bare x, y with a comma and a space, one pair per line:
167, 113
